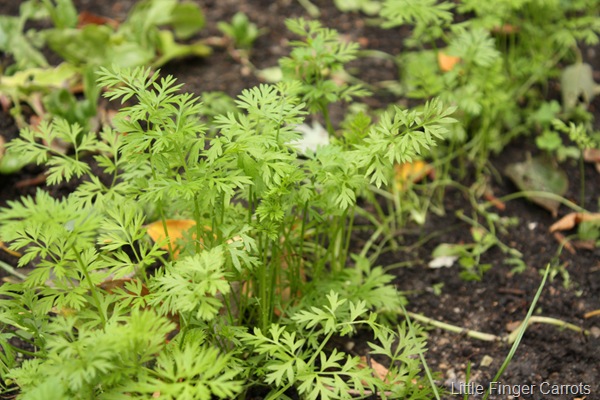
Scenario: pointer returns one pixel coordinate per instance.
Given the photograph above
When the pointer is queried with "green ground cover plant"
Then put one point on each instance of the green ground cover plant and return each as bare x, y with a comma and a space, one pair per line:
85, 43
266, 222
494, 66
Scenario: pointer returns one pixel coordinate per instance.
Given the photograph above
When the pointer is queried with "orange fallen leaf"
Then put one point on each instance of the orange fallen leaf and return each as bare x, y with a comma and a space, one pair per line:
570, 220
411, 172
447, 62
175, 231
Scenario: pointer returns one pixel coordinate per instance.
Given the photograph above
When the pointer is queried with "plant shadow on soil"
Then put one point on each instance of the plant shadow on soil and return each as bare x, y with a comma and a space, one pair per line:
501, 298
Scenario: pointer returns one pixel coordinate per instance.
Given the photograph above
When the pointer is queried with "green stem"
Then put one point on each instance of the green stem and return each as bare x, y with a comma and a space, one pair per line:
488, 337
349, 228
310, 8
537, 193
327, 119
582, 183
93, 288
8, 268
546, 320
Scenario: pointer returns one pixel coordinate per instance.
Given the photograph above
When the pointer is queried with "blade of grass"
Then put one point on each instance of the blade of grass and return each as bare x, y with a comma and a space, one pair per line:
522, 330
422, 357
467, 379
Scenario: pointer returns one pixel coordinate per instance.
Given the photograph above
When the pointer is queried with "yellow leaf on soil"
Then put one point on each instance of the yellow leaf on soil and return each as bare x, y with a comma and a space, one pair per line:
411, 172
175, 230
447, 62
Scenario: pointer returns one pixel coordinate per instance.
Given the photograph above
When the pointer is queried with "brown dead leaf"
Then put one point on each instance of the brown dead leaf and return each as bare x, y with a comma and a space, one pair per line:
591, 155
585, 244
513, 326
381, 372
412, 172
5, 103
570, 220
88, 18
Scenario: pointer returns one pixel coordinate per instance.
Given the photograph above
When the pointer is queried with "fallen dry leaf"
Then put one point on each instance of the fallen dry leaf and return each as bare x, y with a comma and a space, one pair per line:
175, 231
591, 155
88, 18
585, 244
380, 371
513, 325
412, 172
570, 220
447, 62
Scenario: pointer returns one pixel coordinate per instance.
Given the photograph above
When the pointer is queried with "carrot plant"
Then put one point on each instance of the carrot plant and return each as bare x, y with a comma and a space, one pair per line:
255, 288
494, 65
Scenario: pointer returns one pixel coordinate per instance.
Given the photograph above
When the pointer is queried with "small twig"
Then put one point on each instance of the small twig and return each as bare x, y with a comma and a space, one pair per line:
591, 314
513, 291
550, 321
35, 181
488, 337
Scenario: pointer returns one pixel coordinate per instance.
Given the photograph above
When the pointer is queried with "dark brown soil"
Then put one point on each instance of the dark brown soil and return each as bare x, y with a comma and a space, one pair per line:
501, 298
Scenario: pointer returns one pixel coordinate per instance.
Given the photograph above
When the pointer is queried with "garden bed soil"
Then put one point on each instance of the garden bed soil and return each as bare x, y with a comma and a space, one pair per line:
501, 298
